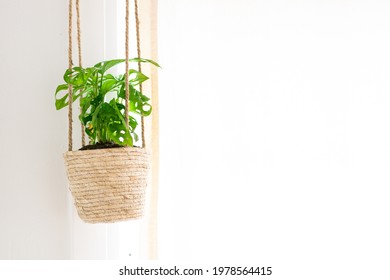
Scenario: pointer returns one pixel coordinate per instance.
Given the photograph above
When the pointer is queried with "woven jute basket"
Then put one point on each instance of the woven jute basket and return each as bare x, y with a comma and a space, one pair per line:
108, 185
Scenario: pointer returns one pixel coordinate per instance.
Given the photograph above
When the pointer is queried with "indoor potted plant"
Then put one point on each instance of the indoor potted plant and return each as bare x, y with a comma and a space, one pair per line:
108, 177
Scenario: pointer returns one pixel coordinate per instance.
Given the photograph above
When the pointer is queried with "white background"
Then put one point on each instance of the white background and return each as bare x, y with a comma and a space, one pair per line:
34, 211
275, 141
275, 137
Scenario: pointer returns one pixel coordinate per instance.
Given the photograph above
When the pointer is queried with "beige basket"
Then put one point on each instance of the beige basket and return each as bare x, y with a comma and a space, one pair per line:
108, 185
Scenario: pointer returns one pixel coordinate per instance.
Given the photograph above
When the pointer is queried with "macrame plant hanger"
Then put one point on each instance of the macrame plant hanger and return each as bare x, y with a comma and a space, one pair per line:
70, 65
139, 63
100, 198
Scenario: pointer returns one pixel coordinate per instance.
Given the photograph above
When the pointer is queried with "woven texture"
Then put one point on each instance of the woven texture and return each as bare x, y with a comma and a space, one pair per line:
108, 185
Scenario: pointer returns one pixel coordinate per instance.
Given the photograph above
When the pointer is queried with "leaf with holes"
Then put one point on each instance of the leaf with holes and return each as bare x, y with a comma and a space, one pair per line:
102, 100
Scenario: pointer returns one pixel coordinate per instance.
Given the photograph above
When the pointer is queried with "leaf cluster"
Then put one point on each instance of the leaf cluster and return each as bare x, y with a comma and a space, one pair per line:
102, 100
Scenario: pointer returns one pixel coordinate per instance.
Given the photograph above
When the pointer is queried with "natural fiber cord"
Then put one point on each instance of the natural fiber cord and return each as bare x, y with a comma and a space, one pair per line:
70, 90
79, 32
127, 66
137, 23
108, 185
80, 61
70, 65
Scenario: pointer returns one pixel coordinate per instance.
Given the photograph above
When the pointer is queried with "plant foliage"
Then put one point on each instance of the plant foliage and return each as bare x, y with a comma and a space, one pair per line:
102, 100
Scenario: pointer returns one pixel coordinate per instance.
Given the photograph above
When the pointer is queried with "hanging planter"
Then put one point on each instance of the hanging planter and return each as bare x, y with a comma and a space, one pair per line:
108, 185
108, 177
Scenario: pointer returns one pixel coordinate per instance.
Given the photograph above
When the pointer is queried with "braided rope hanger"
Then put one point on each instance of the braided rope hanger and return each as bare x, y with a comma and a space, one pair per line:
70, 65
70, 89
80, 61
137, 24
139, 64
137, 28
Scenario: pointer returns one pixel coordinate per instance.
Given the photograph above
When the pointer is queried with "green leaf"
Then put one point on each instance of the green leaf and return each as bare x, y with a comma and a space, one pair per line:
118, 134
143, 60
132, 123
62, 102
146, 109
105, 121
137, 102
103, 66
136, 77
118, 129
108, 85
135, 136
144, 98
75, 76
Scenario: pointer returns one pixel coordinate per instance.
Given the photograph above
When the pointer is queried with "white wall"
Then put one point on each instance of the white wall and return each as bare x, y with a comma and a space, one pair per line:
275, 139
34, 218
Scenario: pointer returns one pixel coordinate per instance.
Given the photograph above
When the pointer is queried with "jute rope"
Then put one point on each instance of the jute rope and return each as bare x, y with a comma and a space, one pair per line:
70, 90
127, 66
80, 61
70, 54
79, 32
139, 65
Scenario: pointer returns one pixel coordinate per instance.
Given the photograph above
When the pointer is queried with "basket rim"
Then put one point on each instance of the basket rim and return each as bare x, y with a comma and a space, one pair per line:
106, 150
